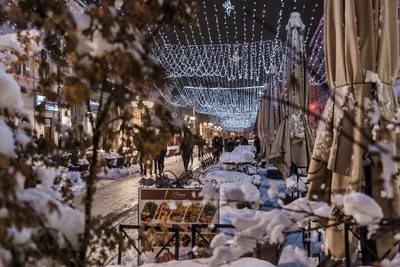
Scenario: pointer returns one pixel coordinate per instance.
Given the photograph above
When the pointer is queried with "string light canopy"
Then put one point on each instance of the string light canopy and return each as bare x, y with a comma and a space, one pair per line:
221, 70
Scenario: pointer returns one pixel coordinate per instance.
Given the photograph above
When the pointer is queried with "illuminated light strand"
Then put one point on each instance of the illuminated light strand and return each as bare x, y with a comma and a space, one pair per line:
226, 28
317, 53
244, 20
212, 67
312, 19
215, 60
208, 24
217, 22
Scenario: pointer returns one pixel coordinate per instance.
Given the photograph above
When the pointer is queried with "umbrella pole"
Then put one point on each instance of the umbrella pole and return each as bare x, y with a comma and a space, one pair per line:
368, 246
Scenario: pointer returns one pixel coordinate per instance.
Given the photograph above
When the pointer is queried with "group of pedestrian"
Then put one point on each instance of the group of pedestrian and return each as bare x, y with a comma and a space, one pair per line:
221, 145
158, 161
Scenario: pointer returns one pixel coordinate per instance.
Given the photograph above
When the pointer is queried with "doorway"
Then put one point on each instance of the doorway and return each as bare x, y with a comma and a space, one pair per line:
48, 133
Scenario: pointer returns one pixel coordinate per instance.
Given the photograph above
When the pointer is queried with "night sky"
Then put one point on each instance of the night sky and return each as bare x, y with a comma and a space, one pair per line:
248, 12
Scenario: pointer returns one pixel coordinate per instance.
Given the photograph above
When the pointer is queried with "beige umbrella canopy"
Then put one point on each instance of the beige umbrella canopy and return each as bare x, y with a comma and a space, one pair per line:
361, 40
271, 112
293, 142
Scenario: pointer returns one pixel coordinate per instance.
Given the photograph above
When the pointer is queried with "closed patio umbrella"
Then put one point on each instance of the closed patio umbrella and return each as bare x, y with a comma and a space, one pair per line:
77, 117
272, 110
360, 41
291, 148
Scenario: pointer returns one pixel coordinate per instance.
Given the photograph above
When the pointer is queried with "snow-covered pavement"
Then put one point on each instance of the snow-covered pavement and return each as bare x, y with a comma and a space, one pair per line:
118, 198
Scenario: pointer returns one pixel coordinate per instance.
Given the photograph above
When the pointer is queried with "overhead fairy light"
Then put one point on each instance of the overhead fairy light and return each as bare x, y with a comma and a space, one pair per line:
228, 7
237, 122
317, 60
236, 58
221, 75
226, 65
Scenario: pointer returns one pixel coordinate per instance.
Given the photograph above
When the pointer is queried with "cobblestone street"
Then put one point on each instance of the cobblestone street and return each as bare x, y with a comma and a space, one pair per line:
117, 199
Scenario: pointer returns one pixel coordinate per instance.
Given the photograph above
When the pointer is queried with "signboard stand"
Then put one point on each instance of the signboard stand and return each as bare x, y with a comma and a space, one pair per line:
182, 210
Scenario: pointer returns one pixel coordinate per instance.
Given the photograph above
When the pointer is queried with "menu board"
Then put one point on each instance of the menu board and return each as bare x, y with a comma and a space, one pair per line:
177, 208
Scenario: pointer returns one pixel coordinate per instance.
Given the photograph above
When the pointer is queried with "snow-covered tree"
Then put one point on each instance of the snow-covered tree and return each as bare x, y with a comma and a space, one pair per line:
108, 52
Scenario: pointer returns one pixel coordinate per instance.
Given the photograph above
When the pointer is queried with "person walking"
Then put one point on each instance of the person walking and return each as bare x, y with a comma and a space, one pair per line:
257, 144
230, 145
161, 159
216, 144
185, 148
237, 141
191, 153
41, 144
244, 141
140, 150
60, 142
201, 143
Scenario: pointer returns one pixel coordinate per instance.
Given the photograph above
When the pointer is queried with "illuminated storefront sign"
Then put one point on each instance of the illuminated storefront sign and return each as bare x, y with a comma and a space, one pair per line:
50, 106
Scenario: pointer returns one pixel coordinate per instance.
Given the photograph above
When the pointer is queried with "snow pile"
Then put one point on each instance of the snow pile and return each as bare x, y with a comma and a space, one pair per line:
271, 192
293, 184
117, 173
362, 208
172, 159
239, 192
77, 184
296, 256
229, 214
269, 227
302, 209
206, 262
246, 148
111, 155
236, 157
222, 176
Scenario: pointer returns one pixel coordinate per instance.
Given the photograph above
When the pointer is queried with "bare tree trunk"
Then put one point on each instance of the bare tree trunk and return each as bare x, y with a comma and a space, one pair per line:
90, 189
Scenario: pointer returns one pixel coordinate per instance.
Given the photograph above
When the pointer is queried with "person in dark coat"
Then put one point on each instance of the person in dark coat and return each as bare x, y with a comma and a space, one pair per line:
216, 144
257, 144
60, 142
237, 141
201, 144
230, 145
41, 144
185, 148
140, 150
244, 141
161, 159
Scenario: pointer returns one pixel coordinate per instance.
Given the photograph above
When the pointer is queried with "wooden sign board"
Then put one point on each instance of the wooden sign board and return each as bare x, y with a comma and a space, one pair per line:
177, 208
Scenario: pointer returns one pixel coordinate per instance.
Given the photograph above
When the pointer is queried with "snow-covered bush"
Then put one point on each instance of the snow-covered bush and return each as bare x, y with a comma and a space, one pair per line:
107, 55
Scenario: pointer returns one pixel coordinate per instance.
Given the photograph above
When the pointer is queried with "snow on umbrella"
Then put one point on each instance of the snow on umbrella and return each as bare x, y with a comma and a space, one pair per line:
361, 55
269, 116
293, 141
